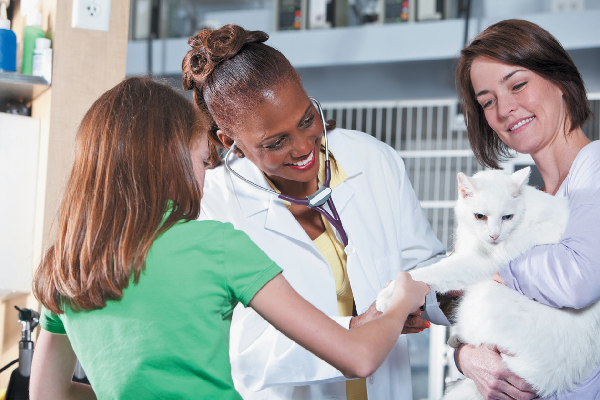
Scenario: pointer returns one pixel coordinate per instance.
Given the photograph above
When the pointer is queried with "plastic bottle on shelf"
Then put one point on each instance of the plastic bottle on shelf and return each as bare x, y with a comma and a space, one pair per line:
42, 59
32, 31
8, 41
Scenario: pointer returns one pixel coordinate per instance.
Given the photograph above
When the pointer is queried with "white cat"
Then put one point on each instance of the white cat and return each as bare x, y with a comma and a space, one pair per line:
498, 218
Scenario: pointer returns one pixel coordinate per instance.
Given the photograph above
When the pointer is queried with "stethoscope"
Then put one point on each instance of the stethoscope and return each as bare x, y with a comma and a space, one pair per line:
316, 200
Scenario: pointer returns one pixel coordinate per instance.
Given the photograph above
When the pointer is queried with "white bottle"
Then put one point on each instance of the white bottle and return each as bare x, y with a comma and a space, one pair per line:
42, 59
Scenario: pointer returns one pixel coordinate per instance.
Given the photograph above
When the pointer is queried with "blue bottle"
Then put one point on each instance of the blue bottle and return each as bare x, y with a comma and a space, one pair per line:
8, 45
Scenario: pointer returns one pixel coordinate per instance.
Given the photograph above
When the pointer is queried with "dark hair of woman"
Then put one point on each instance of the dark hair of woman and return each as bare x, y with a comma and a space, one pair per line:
228, 70
520, 43
132, 163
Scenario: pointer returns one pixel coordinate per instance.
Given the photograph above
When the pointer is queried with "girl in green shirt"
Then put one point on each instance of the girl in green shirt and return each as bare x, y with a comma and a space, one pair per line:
141, 293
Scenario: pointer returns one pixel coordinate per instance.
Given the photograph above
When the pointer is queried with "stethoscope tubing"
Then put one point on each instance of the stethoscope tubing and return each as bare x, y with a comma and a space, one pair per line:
333, 217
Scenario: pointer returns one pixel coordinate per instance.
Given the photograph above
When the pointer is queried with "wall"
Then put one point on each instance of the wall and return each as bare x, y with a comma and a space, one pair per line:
86, 63
414, 80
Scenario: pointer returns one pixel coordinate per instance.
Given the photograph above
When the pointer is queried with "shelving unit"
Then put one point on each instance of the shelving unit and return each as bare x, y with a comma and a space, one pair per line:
25, 88
370, 45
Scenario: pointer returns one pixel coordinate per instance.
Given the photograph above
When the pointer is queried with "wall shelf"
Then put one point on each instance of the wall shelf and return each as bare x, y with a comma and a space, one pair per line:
372, 44
21, 87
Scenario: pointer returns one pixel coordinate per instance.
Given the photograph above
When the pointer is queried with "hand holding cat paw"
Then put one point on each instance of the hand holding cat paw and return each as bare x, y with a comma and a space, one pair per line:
414, 324
408, 292
490, 374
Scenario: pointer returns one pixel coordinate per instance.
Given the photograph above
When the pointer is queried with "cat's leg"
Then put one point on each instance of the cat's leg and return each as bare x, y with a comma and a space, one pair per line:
456, 272
463, 389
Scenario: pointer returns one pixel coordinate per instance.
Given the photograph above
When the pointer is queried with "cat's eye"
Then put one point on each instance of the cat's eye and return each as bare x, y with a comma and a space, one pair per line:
480, 217
507, 217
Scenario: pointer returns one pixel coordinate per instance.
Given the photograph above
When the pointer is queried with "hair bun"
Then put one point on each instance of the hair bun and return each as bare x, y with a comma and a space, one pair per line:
211, 47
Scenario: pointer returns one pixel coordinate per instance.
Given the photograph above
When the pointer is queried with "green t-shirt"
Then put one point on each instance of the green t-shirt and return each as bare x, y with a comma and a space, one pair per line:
168, 337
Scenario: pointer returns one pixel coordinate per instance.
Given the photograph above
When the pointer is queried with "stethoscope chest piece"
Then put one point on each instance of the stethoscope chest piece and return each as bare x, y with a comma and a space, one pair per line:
319, 197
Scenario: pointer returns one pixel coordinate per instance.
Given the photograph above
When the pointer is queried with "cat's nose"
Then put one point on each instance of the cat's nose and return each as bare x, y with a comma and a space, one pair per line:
494, 237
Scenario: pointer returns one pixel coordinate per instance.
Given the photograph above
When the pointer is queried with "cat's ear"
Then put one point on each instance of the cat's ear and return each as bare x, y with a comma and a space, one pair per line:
520, 178
466, 186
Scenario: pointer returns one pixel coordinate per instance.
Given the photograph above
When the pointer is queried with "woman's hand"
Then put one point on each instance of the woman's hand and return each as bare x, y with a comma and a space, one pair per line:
493, 379
408, 292
413, 324
365, 317
499, 279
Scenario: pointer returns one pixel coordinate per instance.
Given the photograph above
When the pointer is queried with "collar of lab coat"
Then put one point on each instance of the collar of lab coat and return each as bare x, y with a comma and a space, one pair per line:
253, 200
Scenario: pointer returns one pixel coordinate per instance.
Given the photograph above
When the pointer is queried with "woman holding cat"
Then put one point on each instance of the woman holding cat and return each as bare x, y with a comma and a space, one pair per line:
257, 100
521, 91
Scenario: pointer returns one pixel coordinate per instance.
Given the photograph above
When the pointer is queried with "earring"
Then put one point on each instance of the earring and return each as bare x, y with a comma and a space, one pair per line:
240, 153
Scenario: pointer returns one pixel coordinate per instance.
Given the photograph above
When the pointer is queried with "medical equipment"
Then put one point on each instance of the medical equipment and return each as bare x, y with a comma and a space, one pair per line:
18, 385
318, 199
431, 311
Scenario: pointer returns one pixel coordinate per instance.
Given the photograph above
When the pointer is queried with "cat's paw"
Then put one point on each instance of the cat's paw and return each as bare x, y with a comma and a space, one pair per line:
384, 296
440, 277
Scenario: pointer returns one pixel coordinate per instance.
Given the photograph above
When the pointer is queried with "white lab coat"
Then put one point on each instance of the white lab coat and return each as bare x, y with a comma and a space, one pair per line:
387, 231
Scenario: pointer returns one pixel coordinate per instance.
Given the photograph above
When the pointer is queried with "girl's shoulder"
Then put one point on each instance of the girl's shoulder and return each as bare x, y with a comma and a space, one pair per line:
198, 231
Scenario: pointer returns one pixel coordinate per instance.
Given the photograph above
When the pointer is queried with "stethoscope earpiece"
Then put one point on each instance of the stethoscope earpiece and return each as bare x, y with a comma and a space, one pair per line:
234, 148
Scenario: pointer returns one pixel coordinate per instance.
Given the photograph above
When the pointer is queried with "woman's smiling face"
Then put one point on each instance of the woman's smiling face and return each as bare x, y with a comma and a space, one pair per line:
525, 110
282, 136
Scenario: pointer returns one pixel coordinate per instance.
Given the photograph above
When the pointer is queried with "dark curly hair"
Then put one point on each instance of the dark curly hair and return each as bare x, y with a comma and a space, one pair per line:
227, 68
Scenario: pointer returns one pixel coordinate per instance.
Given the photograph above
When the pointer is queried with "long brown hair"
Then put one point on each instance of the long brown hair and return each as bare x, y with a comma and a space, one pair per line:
525, 44
132, 163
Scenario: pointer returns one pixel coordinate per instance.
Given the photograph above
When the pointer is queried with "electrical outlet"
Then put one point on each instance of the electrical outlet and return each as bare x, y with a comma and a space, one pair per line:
91, 14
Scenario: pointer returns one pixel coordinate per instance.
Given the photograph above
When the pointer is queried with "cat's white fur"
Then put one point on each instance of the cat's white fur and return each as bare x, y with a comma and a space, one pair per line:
552, 349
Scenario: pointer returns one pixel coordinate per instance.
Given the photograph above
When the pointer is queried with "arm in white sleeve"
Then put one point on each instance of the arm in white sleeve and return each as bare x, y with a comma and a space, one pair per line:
262, 357
566, 274
420, 247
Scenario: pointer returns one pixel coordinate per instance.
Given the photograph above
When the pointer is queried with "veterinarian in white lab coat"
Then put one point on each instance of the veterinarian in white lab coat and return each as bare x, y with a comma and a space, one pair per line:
387, 233
257, 101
